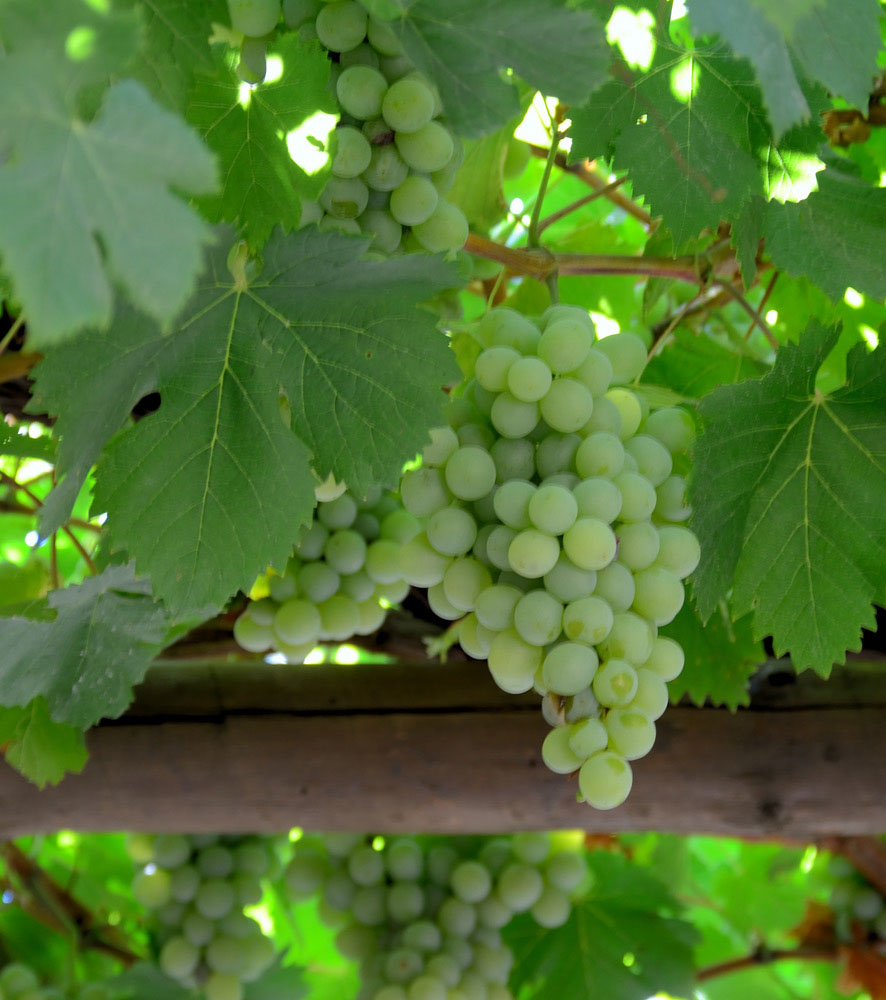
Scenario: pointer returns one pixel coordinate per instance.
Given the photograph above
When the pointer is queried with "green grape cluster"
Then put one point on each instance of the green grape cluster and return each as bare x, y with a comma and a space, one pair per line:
341, 580
19, 982
552, 511
855, 903
393, 157
424, 917
197, 887
256, 21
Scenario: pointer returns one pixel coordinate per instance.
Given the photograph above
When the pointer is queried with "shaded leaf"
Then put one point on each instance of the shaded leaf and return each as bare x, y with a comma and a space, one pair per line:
694, 364
42, 750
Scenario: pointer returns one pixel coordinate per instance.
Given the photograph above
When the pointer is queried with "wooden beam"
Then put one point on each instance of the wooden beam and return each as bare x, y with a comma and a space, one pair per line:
423, 747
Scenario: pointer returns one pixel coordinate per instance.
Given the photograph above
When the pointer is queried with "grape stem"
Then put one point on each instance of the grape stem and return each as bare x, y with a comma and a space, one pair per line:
580, 203
11, 332
763, 301
39, 895
766, 956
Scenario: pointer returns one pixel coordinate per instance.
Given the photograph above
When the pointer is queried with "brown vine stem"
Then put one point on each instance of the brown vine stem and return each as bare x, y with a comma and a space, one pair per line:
580, 203
765, 956
39, 895
768, 291
756, 318
540, 263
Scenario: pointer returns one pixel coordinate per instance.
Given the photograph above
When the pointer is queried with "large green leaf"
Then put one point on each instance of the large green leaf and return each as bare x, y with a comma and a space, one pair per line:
833, 41
214, 486
836, 237
623, 942
85, 203
99, 640
261, 185
694, 364
463, 45
43, 750
721, 656
788, 494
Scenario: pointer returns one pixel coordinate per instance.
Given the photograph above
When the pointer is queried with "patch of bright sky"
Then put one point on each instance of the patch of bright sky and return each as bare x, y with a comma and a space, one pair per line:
274, 70
31, 538
772, 317
309, 143
870, 335
536, 124
853, 298
606, 326
633, 32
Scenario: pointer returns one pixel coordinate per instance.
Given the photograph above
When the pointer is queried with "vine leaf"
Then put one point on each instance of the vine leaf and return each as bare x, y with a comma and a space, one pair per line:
463, 45
42, 750
693, 364
832, 41
682, 131
627, 912
66, 183
787, 490
81, 648
834, 237
261, 184
209, 490
721, 656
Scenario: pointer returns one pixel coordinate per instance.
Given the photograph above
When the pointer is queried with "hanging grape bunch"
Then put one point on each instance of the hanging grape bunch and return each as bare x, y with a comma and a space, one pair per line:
393, 157
340, 582
424, 918
20, 982
197, 888
552, 520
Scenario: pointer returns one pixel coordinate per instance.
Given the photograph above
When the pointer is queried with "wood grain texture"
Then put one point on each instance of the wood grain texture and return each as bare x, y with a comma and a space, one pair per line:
422, 748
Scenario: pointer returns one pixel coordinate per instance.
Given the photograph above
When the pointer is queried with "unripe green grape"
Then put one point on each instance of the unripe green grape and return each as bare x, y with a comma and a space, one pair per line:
493, 962
252, 66
615, 584
426, 988
599, 498
452, 531
198, 929
615, 683
471, 881
406, 902
339, 616
475, 435
679, 550
529, 379
297, 621
345, 551
366, 865
183, 883
254, 17
446, 969
513, 662
281, 589
495, 606
659, 596
402, 964
440, 604
413, 200
552, 509
672, 502
470, 473
223, 986
215, 861
638, 545
538, 617
310, 543
214, 899
533, 553
258, 956
360, 91
368, 905
390, 992
344, 197
492, 912
630, 638
604, 420
568, 582
519, 886
464, 580
408, 105
566, 870
588, 620
567, 405
565, 344
514, 459
352, 152
512, 417
569, 668
317, 582
629, 410
338, 513
509, 328
532, 848
386, 232
511, 503
653, 459
424, 491
139, 847
152, 889
600, 455
652, 693
498, 544
590, 544
386, 170
251, 636
626, 353
551, 909
358, 586
556, 453
297, 12
631, 732
492, 366
248, 888
383, 38
443, 443
422, 935
224, 954
595, 372
383, 561
171, 850
442, 859
673, 426
305, 874
341, 26
263, 612
456, 917
605, 780
332, 224
638, 497
427, 149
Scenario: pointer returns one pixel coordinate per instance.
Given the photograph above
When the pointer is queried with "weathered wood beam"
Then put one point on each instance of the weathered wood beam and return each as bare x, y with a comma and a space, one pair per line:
422, 747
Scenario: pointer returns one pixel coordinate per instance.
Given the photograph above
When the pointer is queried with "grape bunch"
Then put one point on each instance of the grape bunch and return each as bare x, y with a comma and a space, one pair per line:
344, 575
424, 918
19, 982
197, 888
552, 529
855, 903
393, 157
